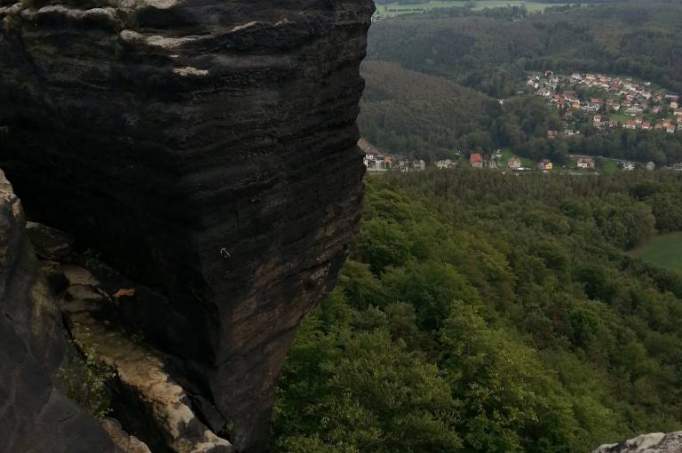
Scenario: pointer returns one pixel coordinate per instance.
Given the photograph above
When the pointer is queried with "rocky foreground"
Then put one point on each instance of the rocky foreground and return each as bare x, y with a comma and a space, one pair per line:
647, 443
207, 151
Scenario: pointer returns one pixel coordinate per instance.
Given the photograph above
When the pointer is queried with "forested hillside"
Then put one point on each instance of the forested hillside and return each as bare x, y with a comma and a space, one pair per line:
483, 312
420, 115
433, 80
490, 52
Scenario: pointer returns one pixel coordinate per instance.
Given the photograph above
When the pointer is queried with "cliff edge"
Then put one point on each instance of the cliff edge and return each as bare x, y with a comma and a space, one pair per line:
208, 151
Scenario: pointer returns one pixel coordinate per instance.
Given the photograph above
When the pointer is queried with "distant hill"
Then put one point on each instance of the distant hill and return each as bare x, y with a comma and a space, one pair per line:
490, 52
405, 111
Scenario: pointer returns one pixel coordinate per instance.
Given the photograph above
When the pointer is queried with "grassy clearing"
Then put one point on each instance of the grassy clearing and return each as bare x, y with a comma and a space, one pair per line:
664, 251
394, 9
607, 166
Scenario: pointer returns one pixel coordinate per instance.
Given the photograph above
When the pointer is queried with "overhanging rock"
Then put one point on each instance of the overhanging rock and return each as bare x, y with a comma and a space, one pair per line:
207, 149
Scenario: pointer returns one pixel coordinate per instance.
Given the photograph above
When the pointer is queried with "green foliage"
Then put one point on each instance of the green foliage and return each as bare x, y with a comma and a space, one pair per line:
483, 312
85, 380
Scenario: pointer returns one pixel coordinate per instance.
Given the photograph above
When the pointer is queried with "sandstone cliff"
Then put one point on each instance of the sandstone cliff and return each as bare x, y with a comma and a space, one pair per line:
207, 150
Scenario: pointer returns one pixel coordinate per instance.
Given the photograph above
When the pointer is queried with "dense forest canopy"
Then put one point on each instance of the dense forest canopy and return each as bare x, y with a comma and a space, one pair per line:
484, 312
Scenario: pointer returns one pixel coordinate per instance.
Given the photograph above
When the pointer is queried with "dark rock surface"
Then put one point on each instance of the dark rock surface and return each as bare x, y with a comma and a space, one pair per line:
208, 150
126, 442
647, 443
34, 416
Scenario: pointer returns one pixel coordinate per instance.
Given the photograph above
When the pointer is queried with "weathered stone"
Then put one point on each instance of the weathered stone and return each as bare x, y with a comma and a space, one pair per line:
77, 275
49, 243
208, 150
123, 440
34, 416
54, 274
84, 293
647, 443
164, 417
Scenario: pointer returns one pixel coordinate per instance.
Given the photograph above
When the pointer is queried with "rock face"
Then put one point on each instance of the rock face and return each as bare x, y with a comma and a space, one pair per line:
34, 416
208, 150
647, 443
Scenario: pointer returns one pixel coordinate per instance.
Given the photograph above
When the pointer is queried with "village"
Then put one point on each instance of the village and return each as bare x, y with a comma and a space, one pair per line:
609, 102
600, 100
378, 162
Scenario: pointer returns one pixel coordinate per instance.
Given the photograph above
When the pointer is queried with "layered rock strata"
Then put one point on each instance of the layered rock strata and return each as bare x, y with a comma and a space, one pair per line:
34, 415
208, 150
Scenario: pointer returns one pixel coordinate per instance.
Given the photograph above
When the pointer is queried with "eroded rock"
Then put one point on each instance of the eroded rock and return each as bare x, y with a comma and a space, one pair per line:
34, 415
123, 440
165, 416
49, 243
208, 149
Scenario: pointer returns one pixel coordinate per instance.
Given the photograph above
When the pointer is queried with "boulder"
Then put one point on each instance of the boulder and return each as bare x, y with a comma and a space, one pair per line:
207, 150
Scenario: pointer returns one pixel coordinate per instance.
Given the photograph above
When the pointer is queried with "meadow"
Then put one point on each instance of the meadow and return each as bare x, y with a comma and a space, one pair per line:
664, 250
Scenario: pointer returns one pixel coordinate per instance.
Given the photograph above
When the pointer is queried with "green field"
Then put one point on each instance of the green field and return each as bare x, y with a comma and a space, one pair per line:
395, 9
664, 251
608, 167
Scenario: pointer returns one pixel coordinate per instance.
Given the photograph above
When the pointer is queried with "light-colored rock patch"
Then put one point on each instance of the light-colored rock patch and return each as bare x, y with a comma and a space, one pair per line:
647, 443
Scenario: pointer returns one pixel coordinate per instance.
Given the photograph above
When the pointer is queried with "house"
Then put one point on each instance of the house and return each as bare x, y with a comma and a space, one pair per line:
613, 105
476, 160
596, 121
552, 134
444, 164
376, 163
374, 160
630, 124
545, 165
419, 165
585, 163
650, 166
514, 163
674, 105
403, 165
634, 110
646, 126
627, 165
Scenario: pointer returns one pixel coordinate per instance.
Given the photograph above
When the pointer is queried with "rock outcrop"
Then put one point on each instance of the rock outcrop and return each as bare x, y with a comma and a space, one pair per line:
647, 443
34, 415
208, 150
